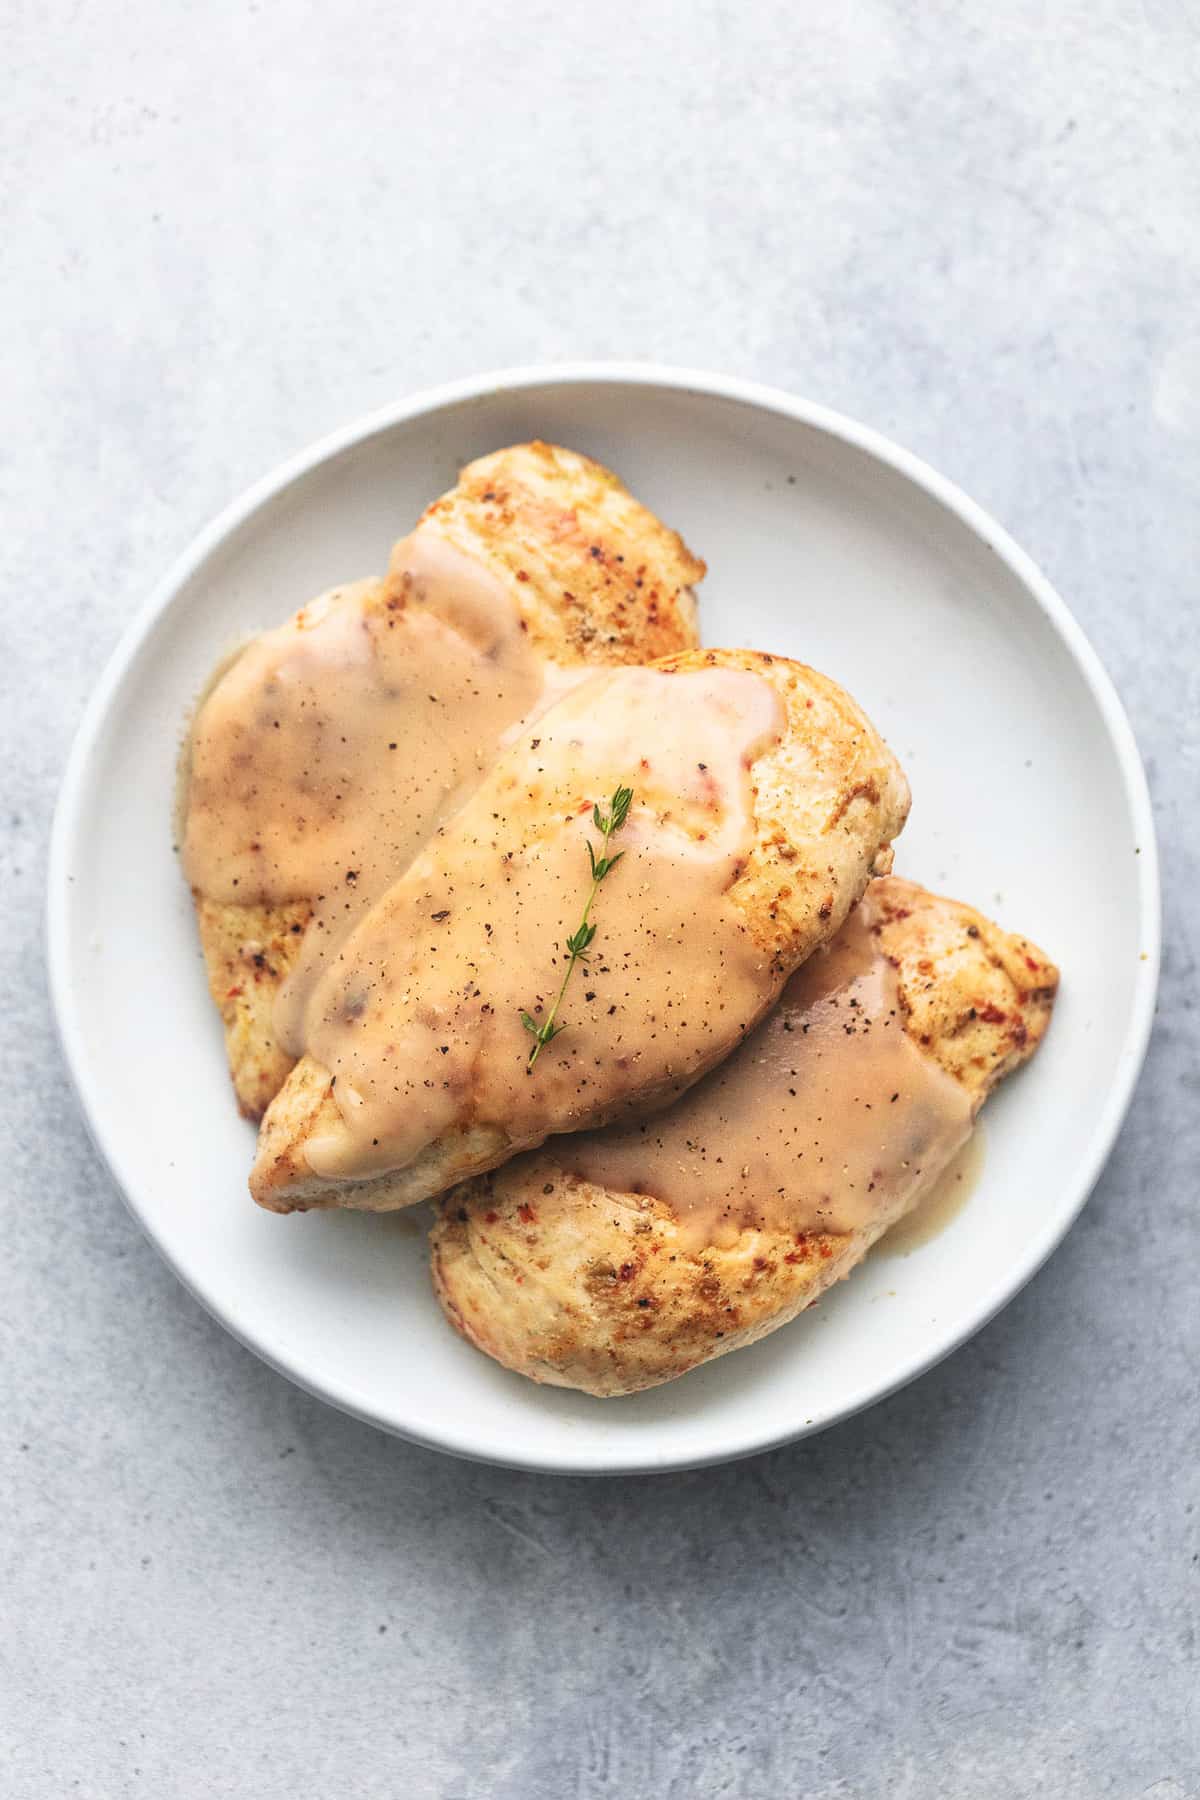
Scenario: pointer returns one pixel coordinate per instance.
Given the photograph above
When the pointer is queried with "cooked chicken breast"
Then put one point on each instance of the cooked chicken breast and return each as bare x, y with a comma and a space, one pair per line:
597, 576
594, 577
572, 1282
248, 954
764, 800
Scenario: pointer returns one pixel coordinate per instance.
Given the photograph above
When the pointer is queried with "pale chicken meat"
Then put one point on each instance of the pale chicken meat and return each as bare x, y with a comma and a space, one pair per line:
614, 1262
763, 801
337, 744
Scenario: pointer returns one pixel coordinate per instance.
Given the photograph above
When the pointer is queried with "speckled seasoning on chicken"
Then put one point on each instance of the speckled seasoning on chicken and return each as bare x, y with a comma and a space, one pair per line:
331, 748
614, 1261
764, 801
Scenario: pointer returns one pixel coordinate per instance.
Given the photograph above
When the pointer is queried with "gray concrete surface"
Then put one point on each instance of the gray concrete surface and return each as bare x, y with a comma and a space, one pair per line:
227, 229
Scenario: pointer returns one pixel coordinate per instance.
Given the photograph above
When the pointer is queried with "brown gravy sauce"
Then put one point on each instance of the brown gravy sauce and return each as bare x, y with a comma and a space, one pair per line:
183, 762
939, 1205
828, 1116
419, 1015
333, 747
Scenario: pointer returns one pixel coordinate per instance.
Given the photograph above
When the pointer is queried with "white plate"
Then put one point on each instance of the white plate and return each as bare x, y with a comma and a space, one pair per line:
824, 542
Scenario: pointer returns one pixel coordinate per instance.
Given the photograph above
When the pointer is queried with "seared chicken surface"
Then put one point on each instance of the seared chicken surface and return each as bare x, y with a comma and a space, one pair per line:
578, 1285
596, 579
438, 995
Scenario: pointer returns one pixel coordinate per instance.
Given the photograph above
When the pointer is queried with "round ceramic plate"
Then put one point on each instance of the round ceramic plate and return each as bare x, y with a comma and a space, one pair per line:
823, 542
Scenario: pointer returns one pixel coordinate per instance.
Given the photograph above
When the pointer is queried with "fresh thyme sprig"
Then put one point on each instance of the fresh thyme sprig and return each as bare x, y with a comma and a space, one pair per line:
579, 942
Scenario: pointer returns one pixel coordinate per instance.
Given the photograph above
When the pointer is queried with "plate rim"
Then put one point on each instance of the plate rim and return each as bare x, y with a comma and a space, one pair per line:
799, 410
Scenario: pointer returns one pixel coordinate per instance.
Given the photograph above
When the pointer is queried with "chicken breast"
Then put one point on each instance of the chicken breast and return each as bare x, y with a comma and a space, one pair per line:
591, 578
763, 801
571, 1281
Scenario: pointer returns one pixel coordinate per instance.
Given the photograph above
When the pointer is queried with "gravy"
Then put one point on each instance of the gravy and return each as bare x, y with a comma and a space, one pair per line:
418, 1016
826, 1117
941, 1204
332, 749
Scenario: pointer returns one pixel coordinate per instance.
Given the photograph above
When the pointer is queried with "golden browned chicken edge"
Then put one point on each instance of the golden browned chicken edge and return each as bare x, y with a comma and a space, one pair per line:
248, 954
577, 1286
597, 578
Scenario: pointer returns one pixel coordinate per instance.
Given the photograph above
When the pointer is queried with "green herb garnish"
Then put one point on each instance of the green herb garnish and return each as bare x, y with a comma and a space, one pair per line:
579, 942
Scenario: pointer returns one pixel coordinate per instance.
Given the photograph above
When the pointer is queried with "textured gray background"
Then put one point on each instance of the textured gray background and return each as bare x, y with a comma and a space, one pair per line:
227, 229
